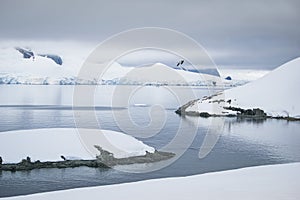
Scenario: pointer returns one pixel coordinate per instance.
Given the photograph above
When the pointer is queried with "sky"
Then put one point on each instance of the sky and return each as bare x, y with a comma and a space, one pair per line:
252, 34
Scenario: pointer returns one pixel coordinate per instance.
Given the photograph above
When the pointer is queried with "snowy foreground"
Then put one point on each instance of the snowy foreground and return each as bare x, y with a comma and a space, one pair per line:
277, 93
265, 182
50, 144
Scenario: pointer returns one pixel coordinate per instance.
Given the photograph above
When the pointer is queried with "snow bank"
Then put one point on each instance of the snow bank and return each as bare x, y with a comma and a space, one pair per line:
264, 182
277, 94
50, 144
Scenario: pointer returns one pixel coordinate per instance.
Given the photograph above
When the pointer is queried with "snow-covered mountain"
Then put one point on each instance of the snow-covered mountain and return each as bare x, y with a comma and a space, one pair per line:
277, 94
59, 63
37, 60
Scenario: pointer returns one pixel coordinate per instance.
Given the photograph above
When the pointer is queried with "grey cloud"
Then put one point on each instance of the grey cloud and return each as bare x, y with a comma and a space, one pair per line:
259, 34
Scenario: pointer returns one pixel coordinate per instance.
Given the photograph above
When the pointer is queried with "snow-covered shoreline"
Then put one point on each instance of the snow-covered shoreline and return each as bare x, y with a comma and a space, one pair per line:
50, 144
277, 94
263, 182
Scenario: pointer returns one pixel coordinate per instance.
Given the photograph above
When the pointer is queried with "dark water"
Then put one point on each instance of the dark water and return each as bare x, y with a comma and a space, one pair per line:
240, 143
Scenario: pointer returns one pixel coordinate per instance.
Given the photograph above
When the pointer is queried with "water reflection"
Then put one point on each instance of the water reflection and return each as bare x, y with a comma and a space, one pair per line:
223, 143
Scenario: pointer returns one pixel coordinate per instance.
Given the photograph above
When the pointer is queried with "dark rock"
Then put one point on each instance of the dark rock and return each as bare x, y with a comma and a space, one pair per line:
57, 59
217, 101
104, 160
248, 113
204, 114
26, 53
29, 54
181, 110
228, 78
62, 157
259, 112
104, 156
235, 109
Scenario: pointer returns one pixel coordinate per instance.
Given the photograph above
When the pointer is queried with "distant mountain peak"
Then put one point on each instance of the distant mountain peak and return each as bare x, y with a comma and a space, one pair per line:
28, 53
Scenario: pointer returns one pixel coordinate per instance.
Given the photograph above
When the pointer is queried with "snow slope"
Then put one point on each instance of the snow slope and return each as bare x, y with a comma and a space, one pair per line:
50, 144
73, 55
241, 76
277, 94
160, 73
265, 182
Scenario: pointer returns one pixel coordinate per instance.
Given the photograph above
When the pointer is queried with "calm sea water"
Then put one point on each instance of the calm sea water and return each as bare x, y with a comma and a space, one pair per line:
241, 143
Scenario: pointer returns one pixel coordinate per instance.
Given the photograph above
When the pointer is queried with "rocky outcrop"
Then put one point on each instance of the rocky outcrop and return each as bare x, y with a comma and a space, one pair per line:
104, 160
27, 54
109, 159
57, 59
248, 113
28, 165
240, 112
182, 110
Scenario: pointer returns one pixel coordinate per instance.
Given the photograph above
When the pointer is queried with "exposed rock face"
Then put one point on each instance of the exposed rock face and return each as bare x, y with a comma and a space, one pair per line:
249, 113
104, 156
228, 78
204, 114
109, 159
26, 53
57, 59
29, 54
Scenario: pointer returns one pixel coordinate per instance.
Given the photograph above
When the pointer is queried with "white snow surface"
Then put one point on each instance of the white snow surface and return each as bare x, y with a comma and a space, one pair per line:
246, 75
277, 93
50, 144
264, 182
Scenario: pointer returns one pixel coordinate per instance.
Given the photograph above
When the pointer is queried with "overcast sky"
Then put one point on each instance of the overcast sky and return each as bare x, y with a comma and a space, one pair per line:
243, 34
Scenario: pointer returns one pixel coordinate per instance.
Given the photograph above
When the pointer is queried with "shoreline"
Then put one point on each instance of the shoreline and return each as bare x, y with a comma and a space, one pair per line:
254, 114
100, 162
